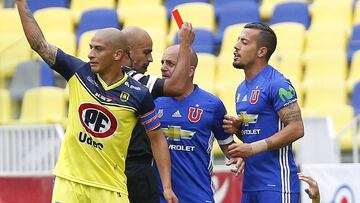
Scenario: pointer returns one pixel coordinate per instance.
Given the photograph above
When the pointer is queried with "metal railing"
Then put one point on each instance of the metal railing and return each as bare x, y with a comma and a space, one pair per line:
352, 126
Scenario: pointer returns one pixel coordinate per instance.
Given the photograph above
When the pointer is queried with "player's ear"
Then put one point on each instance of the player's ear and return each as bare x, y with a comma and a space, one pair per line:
261, 52
191, 71
119, 53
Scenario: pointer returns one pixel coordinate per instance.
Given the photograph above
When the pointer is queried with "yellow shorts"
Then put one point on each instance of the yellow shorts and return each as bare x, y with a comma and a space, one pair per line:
66, 191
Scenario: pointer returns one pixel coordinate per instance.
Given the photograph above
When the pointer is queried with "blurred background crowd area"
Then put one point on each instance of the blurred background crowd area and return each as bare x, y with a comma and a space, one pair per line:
318, 50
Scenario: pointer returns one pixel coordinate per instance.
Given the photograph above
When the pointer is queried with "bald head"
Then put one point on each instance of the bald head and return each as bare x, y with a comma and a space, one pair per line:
135, 35
114, 38
175, 49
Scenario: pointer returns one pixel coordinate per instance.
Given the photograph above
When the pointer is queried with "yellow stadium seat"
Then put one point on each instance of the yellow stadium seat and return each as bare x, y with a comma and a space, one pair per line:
154, 68
297, 40
325, 96
332, 11
267, 7
205, 72
323, 37
77, 7
201, 15
83, 48
226, 74
64, 40
227, 96
44, 105
126, 7
325, 67
159, 42
55, 20
5, 107
230, 37
354, 74
148, 17
13, 44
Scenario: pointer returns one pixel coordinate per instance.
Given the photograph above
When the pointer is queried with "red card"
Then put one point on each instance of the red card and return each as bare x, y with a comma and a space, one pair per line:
177, 17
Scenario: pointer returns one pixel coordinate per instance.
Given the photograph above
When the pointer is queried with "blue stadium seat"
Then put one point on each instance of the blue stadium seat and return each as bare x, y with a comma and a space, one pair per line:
170, 4
37, 4
97, 19
291, 12
355, 98
204, 41
220, 3
354, 42
235, 13
47, 77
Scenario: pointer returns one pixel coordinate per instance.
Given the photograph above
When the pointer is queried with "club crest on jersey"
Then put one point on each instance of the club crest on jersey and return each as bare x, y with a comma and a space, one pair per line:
194, 116
97, 120
254, 97
160, 113
124, 96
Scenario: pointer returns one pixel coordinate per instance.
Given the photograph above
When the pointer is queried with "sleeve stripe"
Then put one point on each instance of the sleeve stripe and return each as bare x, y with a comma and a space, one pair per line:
148, 113
153, 128
149, 120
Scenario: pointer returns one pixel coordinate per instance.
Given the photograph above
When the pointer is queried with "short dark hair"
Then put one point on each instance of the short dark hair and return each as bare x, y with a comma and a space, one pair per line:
266, 38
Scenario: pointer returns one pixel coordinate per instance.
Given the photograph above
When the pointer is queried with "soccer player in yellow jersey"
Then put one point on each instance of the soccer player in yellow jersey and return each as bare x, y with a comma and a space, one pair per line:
104, 106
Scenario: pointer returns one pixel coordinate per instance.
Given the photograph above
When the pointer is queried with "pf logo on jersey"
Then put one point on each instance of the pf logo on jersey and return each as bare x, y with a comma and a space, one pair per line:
97, 120
194, 116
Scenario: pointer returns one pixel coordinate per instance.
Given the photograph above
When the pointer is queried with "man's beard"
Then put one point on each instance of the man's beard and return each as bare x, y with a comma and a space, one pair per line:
238, 65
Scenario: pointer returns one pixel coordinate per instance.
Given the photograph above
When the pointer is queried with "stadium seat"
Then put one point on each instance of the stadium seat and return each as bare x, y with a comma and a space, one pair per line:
356, 17
235, 13
324, 12
354, 72
267, 7
97, 19
27, 75
295, 43
13, 44
83, 47
355, 98
323, 37
354, 42
54, 20
325, 96
291, 12
204, 41
205, 72
79, 6
5, 107
47, 77
171, 4
227, 96
226, 75
325, 67
230, 37
44, 105
201, 15
126, 7
148, 17
35, 5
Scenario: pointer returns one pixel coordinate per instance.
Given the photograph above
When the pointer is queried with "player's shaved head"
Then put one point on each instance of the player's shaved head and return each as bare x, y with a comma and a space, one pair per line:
113, 38
135, 35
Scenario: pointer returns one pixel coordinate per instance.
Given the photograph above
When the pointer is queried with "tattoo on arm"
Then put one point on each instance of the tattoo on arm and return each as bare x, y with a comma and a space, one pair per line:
37, 40
290, 114
268, 142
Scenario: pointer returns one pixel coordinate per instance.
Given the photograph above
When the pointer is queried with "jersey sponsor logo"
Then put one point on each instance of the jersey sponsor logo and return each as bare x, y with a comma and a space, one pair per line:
132, 86
102, 97
194, 117
286, 94
247, 118
181, 148
176, 133
97, 120
254, 96
92, 81
124, 96
84, 138
250, 132
176, 114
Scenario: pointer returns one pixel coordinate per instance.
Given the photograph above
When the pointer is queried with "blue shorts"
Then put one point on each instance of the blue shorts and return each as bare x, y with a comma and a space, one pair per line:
269, 197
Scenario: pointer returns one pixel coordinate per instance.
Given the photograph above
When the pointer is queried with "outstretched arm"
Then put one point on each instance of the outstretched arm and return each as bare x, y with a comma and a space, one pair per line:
175, 85
34, 34
161, 154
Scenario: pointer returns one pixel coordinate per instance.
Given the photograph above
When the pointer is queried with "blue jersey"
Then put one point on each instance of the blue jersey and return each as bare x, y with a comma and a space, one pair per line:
258, 102
191, 125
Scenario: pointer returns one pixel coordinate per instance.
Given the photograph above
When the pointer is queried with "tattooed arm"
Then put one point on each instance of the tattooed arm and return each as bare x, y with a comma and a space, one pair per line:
294, 129
34, 34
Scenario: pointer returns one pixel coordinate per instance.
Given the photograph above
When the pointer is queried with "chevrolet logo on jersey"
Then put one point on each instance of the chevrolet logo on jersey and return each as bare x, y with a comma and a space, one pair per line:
176, 133
247, 118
